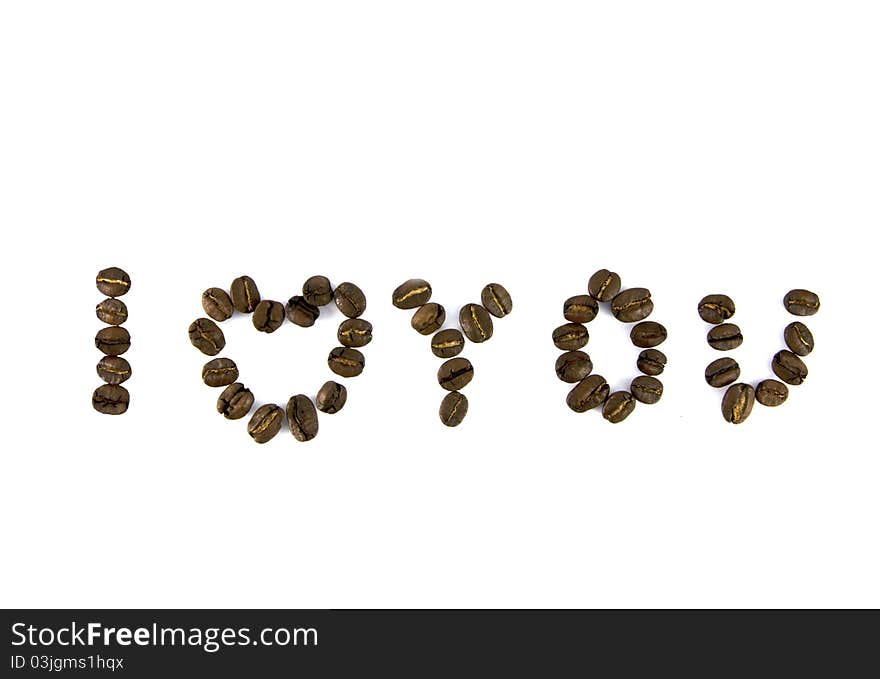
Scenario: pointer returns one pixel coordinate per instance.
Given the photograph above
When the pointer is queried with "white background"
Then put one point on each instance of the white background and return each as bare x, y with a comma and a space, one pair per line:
693, 147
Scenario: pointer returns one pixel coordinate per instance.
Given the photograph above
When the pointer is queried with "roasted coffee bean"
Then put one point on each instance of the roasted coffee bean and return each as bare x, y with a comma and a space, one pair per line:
355, 332
789, 367
651, 362
455, 374
632, 305
771, 393
302, 418
587, 394
411, 294
265, 423
580, 309
716, 309
453, 408
205, 336
738, 401
604, 285
447, 343
217, 304
113, 369
235, 402
573, 366
112, 311
113, 340
346, 362
113, 282
110, 399
475, 322
268, 315
798, 338
618, 406
497, 300
722, 372
331, 397
571, 336
245, 295
301, 313
219, 372
647, 334
801, 302
317, 291
646, 389
428, 318
725, 337
350, 299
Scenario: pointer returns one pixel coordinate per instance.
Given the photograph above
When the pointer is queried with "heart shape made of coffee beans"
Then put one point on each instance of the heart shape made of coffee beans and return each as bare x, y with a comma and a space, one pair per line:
301, 411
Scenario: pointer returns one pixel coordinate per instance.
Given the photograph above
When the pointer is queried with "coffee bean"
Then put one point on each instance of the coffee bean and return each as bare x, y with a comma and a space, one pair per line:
346, 362
722, 372
301, 313
573, 366
618, 406
447, 343
205, 336
350, 299
113, 369
302, 418
725, 337
331, 397
113, 282
587, 394
455, 374
497, 300
475, 322
428, 318
801, 302
571, 336
646, 389
771, 393
789, 367
265, 423
716, 309
113, 340
604, 285
110, 399
411, 294
355, 332
453, 408
217, 304
798, 338
632, 305
245, 295
738, 401
580, 309
651, 362
647, 334
112, 311
219, 372
317, 291
235, 402
268, 315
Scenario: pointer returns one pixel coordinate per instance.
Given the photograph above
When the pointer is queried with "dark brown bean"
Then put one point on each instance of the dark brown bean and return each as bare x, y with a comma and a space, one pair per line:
722, 372
604, 285
219, 372
573, 366
647, 334
738, 401
346, 362
205, 336
651, 362
618, 406
453, 409
350, 299
217, 304
632, 305
113, 369
317, 291
771, 393
571, 336
331, 397
265, 423
455, 374
428, 318
112, 311
302, 418
355, 332
302, 313
716, 309
235, 402
110, 399
580, 309
447, 343
245, 295
646, 389
801, 302
411, 294
497, 300
113, 340
268, 315
587, 394
788, 367
725, 337
113, 281
798, 338
476, 323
